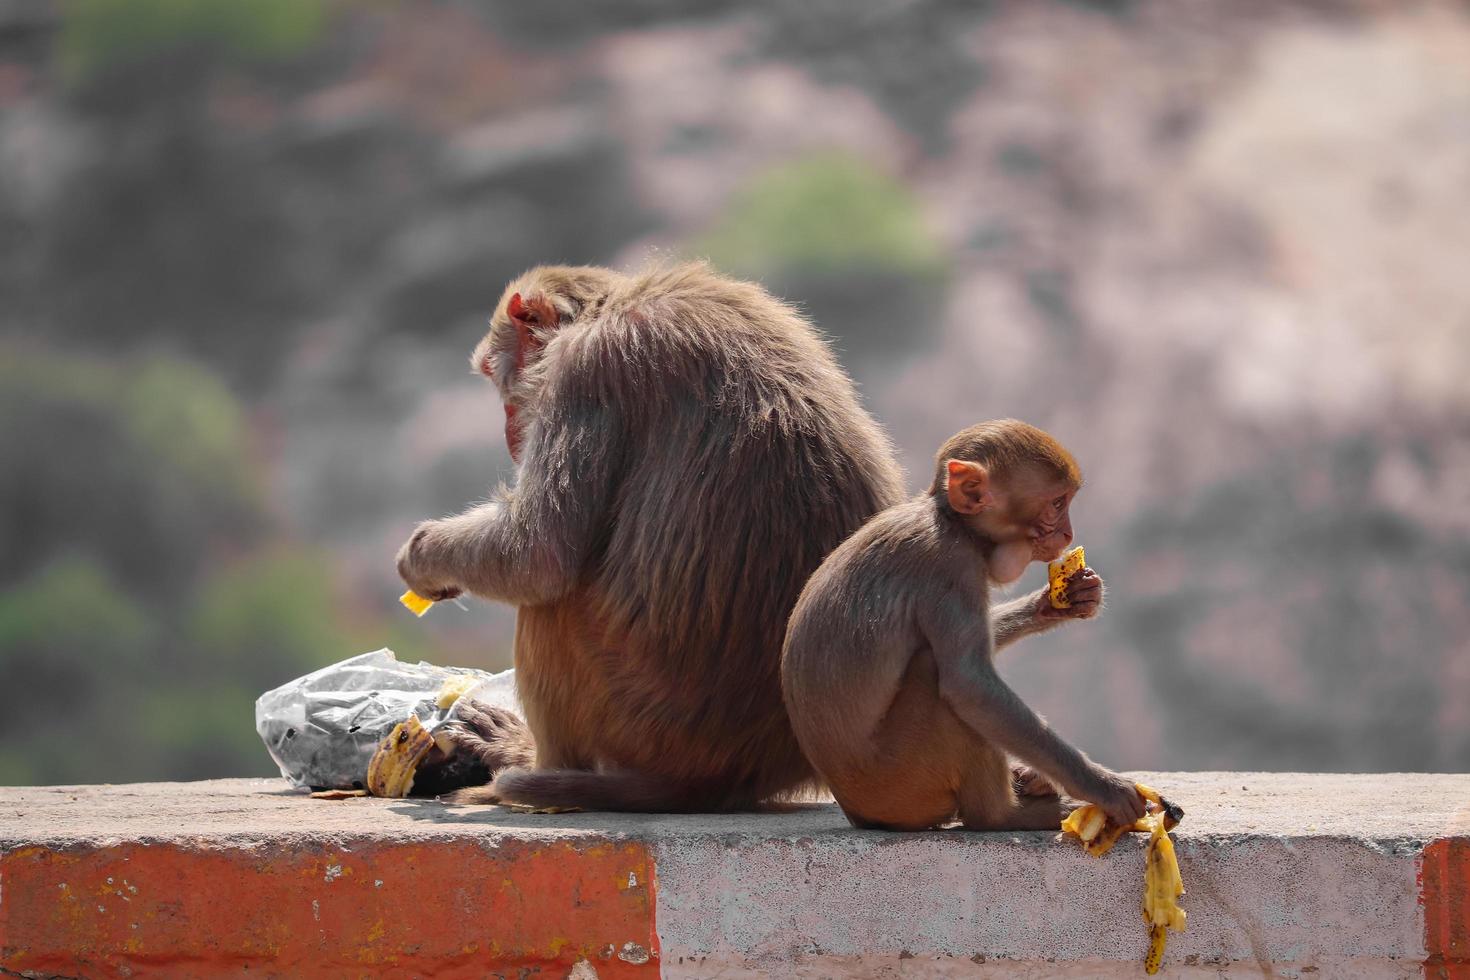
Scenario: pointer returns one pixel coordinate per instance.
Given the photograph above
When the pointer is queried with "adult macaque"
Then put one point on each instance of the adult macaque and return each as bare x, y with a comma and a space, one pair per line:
888, 670
688, 452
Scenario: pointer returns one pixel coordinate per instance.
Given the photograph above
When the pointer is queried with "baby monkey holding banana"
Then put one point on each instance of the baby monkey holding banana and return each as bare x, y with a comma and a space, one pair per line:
888, 669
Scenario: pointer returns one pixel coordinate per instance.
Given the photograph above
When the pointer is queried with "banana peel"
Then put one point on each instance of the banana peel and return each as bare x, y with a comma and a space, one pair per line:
1162, 884
1059, 571
1162, 888
391, 771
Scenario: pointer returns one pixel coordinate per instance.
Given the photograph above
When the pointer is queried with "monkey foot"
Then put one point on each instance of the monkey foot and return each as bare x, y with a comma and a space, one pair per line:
1030, 782
496, 737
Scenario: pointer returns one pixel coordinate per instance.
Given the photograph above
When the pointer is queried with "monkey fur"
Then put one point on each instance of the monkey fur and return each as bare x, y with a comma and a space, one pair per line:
688, 452
887, 669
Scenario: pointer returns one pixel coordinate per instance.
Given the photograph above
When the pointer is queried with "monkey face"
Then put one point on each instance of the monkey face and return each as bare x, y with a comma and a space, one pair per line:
1050, 527
1031, 516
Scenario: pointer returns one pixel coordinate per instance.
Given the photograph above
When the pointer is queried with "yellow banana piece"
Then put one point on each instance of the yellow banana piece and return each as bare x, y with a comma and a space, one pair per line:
391, 771
454, 688
1162, 883
1059, 571
416, 603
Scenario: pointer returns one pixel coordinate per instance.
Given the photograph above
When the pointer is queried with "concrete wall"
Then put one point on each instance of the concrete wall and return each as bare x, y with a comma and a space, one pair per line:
1287, 876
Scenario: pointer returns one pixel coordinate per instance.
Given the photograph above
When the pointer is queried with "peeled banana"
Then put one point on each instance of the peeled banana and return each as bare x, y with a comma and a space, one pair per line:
1162, 884
1059, 571
454, 688
391, 771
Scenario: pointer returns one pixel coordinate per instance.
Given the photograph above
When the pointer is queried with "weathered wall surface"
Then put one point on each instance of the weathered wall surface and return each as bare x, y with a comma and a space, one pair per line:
1287, 875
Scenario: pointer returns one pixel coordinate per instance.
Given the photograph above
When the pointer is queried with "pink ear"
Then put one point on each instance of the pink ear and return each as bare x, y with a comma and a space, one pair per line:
515, 309
969, 486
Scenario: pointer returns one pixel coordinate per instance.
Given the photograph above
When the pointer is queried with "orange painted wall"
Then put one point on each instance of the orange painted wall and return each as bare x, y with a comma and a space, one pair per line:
452, 909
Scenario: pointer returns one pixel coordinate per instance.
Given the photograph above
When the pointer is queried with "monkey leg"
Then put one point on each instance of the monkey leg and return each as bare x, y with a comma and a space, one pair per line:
563, 698
988, 801
922, 750
913, 785
897, 809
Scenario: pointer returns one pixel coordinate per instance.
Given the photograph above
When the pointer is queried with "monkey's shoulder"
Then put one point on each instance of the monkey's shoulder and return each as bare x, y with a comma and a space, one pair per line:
900, 556
916, 531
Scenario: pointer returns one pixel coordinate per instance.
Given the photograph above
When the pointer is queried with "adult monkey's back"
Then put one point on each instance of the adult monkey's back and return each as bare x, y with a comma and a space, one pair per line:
689, 451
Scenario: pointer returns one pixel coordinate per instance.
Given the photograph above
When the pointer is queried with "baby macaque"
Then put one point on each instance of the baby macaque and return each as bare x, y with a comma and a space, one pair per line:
887, 670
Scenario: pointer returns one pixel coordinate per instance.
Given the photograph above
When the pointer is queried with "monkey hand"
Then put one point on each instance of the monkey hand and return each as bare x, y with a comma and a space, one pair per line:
421, 563
1116, 796
1085, 594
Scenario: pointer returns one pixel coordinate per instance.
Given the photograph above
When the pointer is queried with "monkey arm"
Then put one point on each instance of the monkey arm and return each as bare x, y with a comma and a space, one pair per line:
529, 547
1010, 621
1034, 613
968, 683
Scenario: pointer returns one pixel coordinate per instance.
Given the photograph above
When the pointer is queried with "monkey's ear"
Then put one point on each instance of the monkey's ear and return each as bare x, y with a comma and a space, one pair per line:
532, 311
515, 309
527, 315
968, 487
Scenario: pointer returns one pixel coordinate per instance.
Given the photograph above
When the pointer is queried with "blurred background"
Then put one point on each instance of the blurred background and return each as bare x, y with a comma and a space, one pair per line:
1221, 249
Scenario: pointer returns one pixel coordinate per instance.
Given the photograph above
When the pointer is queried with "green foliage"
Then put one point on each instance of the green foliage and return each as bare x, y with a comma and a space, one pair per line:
847, 244
267, 619
100, 34
73, 624
72, 647
824, 214
143, 603
204, 730
186, 420
178, 415
85, 440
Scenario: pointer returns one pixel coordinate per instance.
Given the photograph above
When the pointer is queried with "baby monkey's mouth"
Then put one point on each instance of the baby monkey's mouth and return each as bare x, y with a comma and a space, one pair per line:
1050, 547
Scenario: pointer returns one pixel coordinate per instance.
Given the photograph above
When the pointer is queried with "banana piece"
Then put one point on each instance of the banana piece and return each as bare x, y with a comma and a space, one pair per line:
1059, 571
416, 603
391, 771
454, 688
1162, 884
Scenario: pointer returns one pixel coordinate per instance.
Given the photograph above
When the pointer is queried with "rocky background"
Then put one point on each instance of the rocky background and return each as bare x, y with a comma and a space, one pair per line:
1220, 247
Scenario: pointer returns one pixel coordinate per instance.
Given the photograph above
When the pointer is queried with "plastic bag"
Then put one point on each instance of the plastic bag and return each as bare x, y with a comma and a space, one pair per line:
322, 729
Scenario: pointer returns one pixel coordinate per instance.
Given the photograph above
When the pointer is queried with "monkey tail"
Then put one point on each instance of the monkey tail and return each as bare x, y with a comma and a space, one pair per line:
618, 790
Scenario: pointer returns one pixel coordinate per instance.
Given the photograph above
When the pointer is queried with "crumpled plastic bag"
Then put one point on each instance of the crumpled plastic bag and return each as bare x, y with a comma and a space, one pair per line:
322, 729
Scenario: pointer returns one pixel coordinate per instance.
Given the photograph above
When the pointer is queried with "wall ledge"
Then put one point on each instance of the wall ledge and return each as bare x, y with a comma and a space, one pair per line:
1288, 875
